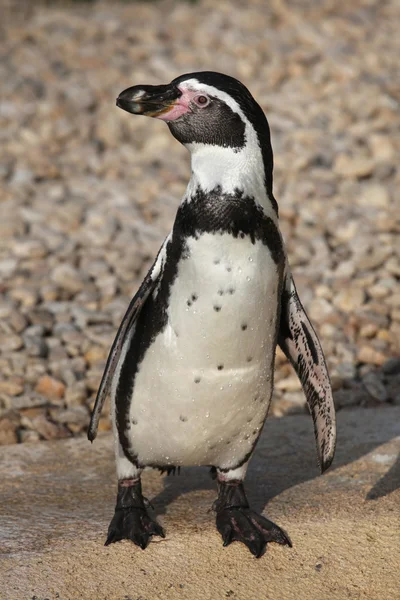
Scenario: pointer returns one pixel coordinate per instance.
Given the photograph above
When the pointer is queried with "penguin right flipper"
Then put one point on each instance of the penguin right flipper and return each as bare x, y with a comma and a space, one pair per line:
302, 347
130, 317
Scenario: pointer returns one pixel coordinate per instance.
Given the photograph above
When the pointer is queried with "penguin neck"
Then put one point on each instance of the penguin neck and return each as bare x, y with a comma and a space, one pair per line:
232, 171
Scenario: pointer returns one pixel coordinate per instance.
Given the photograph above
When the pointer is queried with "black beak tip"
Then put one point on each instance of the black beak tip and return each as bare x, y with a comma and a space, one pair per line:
129, 105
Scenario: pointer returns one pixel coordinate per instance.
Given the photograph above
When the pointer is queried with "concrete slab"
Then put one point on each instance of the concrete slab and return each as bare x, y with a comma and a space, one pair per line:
58, 498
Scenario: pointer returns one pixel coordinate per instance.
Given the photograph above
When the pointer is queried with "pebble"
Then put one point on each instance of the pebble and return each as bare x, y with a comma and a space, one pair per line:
30, 249
392, 366
68, 278
89, 192
366, 354
22, 402
78, 415
11, 387
349, 299
8, 431
356, 166
50, 387
49, 430
375, 387
35, 346
76, 393
10, 342
374, 195
29, 436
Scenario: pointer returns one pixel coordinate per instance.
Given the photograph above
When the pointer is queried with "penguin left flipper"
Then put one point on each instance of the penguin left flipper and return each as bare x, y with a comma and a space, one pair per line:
302, 347
128, 321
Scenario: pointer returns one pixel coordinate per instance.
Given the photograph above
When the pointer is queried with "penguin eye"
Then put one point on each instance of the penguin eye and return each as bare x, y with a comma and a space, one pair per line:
201, 100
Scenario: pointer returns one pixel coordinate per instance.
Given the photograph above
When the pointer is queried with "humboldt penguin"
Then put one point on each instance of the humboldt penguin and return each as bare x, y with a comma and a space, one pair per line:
190, 372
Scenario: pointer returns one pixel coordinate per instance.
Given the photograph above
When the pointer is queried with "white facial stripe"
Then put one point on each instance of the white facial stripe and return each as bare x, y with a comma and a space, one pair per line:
195, 85
214, 166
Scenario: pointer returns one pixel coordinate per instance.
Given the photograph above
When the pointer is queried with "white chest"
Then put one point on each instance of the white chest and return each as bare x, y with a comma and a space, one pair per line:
203, 388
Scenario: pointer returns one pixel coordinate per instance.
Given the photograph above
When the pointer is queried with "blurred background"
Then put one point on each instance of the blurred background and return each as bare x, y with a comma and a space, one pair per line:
89, 192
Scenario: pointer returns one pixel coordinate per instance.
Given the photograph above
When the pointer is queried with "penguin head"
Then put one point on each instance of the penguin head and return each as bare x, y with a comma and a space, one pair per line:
207, 111
200, 108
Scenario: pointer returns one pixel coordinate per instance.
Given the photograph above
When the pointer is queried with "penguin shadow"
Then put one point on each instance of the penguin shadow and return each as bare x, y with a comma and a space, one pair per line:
291, 460
387, 484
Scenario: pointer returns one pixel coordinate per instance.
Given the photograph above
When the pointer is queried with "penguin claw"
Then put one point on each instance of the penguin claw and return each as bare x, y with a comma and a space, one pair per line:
133, 524
255, 531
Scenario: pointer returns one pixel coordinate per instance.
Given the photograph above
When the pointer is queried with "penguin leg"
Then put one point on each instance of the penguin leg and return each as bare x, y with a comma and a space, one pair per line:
131, 520
237, 522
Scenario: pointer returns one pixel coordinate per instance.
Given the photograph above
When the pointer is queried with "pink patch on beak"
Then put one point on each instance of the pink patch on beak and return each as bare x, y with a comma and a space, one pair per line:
179, 108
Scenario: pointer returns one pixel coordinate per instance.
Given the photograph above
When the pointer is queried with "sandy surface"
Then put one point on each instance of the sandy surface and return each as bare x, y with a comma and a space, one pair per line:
58, 499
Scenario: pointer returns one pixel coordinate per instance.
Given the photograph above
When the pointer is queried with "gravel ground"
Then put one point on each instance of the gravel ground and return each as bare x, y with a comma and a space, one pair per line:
88, 192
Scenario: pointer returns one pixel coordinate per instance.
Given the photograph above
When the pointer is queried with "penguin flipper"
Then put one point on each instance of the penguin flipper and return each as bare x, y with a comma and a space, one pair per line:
129, 319
302, 347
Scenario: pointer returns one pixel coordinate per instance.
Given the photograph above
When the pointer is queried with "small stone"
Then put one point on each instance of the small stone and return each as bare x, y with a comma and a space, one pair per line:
393, 266
374, 195
384, 336
296, 400
373, 259
349, 397
26, 401
393, 389
78, 415
11, 387
96, 354
36, 346
8, 266
8, 431
392, 366
9, 342
43, 317
76, 393
26, 296
28, 414
381, 147
356, 167
6, 309
29, 436
17, 321
375, 387
345, 371
48, 429
349, 299
378, 291
369, 330
104, 424
68, 278
394, 300
50, 388
366, 354
29, 249
321, 309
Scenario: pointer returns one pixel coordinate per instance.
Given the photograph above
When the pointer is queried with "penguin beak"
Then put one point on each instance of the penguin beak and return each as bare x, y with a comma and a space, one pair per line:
150, 100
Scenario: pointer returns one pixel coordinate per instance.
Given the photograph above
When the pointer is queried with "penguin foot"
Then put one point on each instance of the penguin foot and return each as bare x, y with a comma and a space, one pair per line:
237, 522
131, 520
245, 525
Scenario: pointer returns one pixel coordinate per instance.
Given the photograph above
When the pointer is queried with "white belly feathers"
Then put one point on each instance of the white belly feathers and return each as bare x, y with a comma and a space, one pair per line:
202, 391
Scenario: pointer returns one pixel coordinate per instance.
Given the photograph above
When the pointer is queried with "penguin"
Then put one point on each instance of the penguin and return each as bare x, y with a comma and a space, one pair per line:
190, 373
